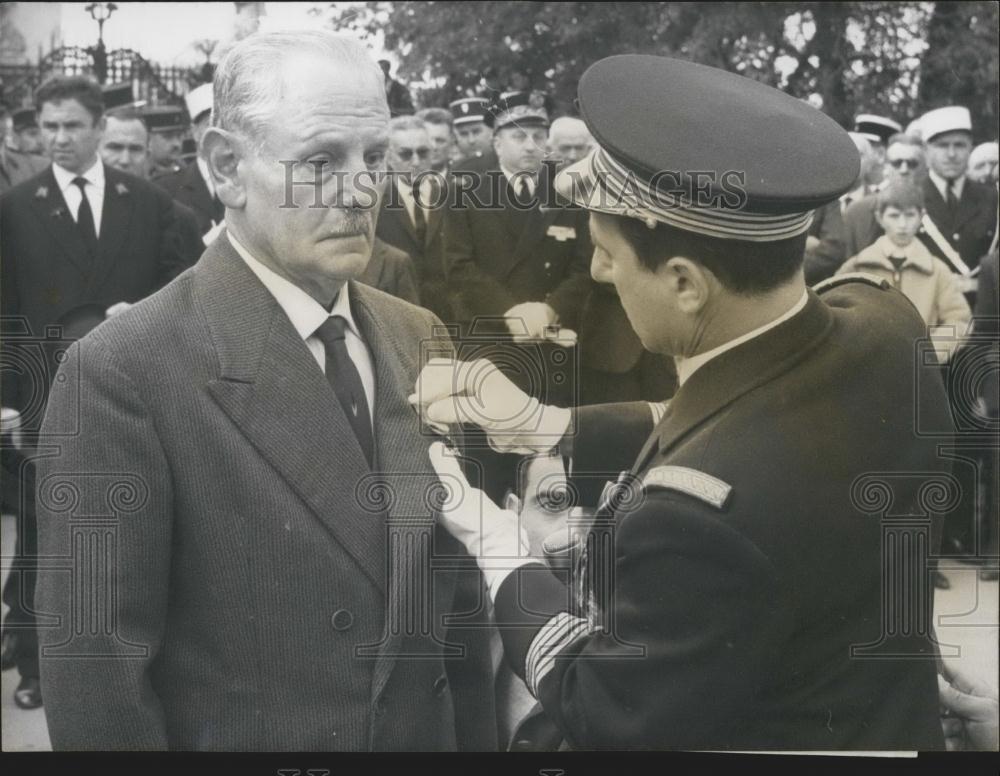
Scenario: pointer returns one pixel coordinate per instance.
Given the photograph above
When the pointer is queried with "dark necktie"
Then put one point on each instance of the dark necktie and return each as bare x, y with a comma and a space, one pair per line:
85, 218
952, 201
419, 218
343, 376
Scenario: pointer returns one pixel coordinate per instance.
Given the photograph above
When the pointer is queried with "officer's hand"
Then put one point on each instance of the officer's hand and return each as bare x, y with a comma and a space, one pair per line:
969, 712
527, 321
452, 392
491, 535
117, 307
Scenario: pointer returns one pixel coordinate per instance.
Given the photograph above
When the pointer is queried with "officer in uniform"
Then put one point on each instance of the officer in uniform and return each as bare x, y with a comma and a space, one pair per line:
192, 185
167, 128
473, 138
729, 592
960, 222
19, 155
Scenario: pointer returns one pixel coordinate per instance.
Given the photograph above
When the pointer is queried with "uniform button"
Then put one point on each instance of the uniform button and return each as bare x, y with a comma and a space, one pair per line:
342, 619
954, 237
440, 685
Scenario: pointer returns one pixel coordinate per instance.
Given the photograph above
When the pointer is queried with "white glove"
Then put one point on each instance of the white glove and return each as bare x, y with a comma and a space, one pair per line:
528, 320
117, 307
452, 392
493, 536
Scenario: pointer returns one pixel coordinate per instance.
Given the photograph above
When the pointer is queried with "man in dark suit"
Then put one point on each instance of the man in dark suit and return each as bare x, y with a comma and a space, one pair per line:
961, 214
412, 211
272, 574
739, 586
78, 234
535, 259
192, 185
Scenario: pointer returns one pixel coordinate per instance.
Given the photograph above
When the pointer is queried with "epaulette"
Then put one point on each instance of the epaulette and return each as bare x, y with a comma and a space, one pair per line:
691, 482
852, 277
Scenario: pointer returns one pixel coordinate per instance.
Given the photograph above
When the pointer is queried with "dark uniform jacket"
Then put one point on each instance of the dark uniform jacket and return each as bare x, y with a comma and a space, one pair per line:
825, 259
188, 187
46, 272
860, 227
500, 256
745, 565
970, 229
261, 587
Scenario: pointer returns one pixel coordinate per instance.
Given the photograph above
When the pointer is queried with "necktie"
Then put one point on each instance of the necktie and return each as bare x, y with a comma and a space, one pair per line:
346, 383
419, 219
952, 201
85, 218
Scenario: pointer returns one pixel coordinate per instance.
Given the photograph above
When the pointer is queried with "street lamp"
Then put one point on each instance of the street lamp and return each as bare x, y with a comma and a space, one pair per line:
100, 13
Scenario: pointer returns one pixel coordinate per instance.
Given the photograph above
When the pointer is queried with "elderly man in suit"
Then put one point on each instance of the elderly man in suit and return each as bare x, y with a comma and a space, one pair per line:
271, 585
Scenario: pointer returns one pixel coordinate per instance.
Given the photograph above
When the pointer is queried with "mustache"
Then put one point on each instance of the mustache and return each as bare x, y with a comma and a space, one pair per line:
354, 221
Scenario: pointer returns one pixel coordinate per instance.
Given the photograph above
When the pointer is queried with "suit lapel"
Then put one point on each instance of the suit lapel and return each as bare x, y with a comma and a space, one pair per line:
401, 224
119, 202
274, 392
57, 220
406, 474
736, 372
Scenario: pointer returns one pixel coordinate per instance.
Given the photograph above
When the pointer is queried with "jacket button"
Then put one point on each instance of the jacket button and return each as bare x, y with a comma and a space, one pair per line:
440, 685
956, 237
342, 619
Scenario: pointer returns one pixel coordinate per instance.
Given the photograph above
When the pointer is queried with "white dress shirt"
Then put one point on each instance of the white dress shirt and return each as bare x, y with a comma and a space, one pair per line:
307, 315
71, 192
942, 185
688, 366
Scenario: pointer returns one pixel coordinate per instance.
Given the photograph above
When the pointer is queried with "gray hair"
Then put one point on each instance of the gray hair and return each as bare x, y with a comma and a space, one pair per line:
435, 116
247, 85
401, 123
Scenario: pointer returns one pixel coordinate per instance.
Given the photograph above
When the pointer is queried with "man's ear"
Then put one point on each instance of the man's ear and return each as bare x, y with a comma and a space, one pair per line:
692, 283
223, 151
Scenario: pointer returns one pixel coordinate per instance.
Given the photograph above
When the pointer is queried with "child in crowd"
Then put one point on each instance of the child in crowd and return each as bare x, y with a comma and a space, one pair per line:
904, 261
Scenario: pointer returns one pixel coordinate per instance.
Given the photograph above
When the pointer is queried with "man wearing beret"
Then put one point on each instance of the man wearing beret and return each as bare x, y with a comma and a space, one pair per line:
729, 592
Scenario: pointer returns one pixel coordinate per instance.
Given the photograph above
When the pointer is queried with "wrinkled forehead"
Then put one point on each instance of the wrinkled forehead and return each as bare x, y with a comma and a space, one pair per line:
409, 138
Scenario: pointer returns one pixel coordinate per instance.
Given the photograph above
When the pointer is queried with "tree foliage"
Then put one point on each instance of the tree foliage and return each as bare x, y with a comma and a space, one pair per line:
895, 58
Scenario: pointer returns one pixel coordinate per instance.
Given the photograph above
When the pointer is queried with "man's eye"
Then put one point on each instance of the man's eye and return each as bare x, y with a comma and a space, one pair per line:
375, 158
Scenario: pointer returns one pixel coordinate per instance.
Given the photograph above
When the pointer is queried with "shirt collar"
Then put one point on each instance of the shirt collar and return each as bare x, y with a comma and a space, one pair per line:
688, 366
305, 313
915, 253
94, 175
941, 184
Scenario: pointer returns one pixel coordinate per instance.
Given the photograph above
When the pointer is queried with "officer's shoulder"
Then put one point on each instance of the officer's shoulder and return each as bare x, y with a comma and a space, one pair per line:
699, 485
852, 280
